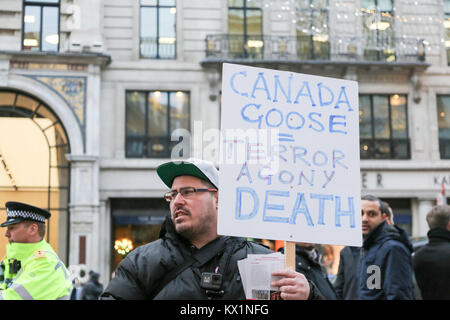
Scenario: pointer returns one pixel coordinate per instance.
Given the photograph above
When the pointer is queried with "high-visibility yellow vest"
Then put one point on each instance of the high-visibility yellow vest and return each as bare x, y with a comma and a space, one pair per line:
41, 275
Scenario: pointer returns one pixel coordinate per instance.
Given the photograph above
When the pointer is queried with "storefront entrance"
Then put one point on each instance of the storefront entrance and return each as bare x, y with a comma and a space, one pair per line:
33, 164
135, 222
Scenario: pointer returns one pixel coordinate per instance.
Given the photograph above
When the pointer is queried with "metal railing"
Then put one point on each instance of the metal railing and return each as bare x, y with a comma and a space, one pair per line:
304, 48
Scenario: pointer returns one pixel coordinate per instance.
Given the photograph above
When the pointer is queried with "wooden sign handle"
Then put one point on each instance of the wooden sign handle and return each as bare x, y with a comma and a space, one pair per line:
289, 255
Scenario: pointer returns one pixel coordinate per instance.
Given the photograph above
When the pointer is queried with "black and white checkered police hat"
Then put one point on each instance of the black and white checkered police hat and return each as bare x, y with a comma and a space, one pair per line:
17, 212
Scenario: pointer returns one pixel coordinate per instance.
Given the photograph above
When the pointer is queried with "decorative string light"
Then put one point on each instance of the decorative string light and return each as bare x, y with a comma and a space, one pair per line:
124, 246
291, 12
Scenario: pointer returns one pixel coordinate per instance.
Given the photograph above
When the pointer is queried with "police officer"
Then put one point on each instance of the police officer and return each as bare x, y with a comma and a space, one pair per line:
31, 270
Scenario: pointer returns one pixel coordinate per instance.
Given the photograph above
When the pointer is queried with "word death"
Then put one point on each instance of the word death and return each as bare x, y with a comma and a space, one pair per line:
299, 212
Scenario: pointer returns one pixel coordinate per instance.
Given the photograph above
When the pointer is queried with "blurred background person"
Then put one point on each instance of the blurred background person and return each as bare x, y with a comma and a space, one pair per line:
432, 262
346, 284
93, 288
307, 262
387, 210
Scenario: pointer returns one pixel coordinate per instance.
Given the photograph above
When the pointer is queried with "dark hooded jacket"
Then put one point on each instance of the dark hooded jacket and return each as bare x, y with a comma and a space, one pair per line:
314, 271
385, 266
142, 269
432, 266
346, 284
93, 288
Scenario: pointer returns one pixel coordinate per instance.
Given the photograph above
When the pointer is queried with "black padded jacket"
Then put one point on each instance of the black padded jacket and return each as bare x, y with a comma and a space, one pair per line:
139, 273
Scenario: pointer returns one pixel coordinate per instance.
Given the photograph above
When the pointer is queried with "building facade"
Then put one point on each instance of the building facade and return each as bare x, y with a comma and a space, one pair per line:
92, 91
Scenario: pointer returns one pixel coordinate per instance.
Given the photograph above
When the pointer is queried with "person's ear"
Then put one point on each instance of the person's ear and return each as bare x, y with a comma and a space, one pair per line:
33, 229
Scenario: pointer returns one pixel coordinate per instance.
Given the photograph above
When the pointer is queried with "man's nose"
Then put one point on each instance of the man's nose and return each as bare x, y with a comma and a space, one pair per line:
363, 216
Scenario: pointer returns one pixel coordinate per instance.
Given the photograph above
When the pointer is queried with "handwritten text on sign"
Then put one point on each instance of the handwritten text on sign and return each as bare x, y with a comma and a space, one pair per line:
290, 157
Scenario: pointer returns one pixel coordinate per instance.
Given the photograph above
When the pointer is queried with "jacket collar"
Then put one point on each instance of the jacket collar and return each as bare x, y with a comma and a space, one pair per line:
168, 231
384, 232
438, 235
373, 235
21, 251
311, 255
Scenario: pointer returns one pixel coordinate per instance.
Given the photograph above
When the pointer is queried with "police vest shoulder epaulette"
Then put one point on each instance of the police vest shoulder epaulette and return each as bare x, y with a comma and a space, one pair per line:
39, 254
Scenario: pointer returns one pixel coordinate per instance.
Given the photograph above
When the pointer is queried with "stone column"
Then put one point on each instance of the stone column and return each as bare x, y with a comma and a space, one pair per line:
84, 211
105, 242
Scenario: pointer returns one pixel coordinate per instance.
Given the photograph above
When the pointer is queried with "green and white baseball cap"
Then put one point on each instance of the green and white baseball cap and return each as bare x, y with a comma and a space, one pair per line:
199, 168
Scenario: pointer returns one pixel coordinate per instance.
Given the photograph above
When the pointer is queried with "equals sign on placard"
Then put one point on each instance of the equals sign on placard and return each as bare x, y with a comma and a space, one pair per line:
286, 137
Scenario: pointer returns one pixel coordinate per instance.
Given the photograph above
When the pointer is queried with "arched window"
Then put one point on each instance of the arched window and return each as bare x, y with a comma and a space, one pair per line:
33, 164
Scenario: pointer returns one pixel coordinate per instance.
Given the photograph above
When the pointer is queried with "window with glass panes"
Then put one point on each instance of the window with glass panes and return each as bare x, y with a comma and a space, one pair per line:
40, 30
151, 117
312, 30
383, 127
245, 29
158, 29
378, 30
447, 28
443, 113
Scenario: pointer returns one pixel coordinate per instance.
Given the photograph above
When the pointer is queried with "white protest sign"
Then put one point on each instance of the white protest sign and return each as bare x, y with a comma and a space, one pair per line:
289, 167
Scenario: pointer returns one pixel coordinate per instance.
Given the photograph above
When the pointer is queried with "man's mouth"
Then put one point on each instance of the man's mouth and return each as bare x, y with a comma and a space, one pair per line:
180, 213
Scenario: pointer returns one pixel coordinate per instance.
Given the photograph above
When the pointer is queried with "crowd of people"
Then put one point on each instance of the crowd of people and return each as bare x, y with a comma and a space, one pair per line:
189, 253
384, 268
91, 290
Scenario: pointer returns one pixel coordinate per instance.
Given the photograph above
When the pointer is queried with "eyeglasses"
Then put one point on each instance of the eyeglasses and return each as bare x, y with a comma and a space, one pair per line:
186, 193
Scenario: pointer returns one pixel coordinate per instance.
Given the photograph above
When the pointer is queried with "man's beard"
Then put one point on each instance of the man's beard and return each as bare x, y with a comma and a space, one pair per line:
186, 231
366, 234
190, 230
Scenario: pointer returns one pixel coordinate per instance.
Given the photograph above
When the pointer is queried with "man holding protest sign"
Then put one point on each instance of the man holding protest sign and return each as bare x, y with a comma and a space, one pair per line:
190, 260
289, 171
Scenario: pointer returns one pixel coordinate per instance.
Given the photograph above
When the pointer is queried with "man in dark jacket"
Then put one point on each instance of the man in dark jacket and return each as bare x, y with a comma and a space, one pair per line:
385, 265
346, 284
432, 262
201, 264
307, 262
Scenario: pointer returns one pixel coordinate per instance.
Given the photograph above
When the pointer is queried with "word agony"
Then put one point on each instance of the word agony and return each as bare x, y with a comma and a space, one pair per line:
304, 175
